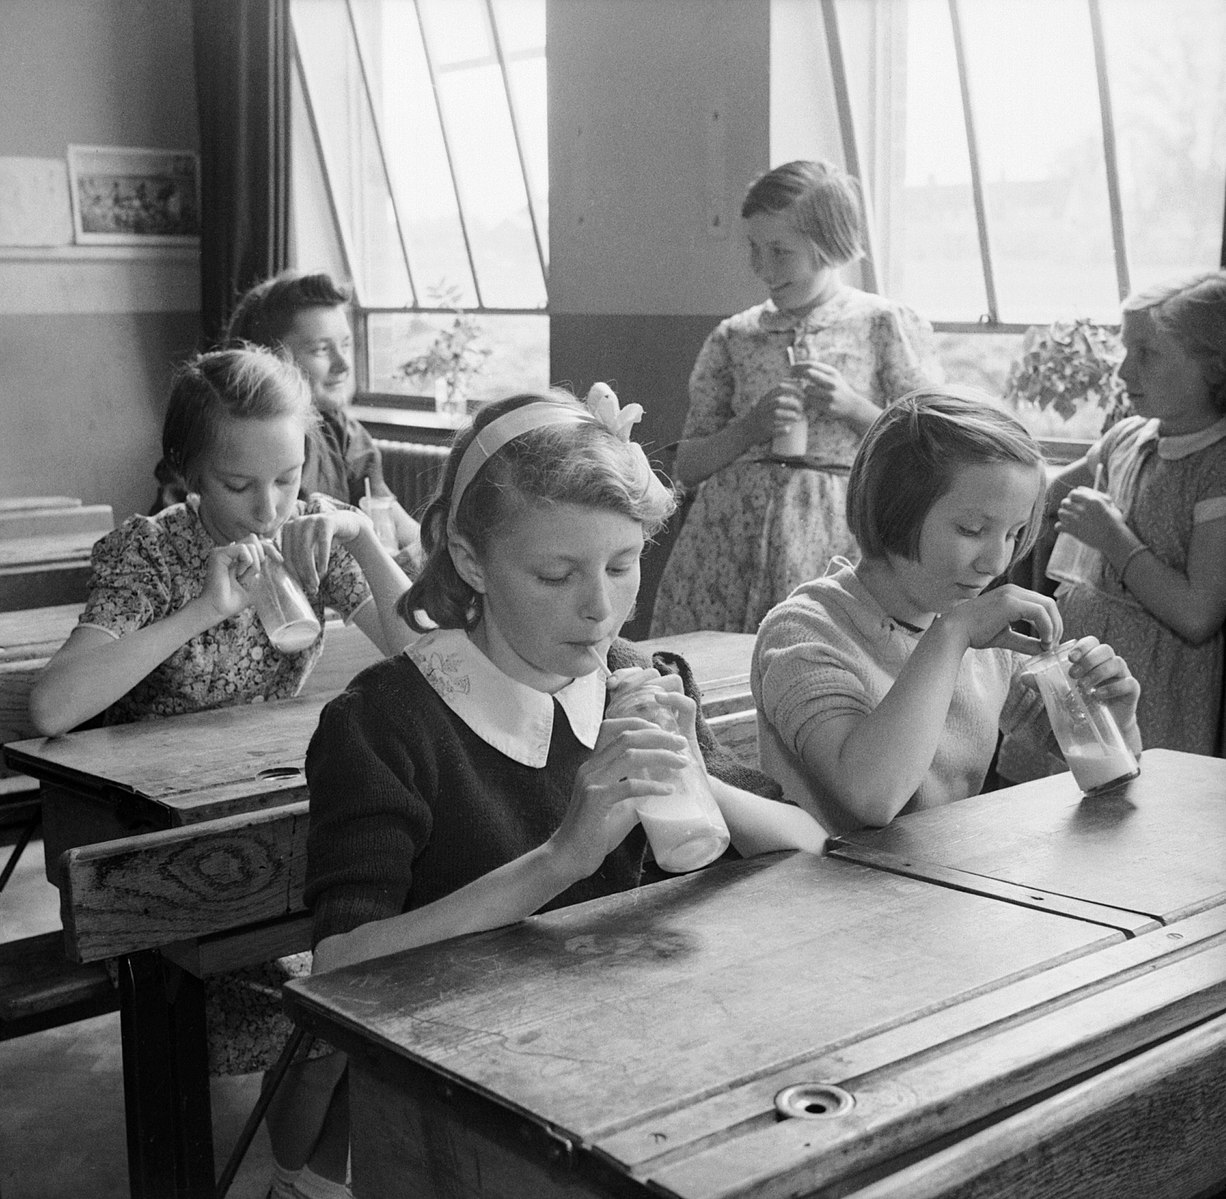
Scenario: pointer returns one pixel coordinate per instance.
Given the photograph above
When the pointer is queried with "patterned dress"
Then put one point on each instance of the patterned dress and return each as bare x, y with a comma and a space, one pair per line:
758, 529
151, 566
1163, 486
142, 572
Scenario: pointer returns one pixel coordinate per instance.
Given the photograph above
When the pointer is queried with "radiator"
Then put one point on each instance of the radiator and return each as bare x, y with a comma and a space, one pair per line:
412, 470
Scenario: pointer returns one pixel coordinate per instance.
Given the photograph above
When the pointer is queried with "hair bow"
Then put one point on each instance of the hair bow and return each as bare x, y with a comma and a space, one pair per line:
602, 403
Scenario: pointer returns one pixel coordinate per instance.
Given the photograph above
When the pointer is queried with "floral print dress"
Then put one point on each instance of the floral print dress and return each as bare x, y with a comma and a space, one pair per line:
152, 566
142, 572
758, 528
1164, 486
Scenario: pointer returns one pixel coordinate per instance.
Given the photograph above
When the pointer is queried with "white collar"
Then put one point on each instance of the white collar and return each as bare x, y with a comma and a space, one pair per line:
1183, 444
515, 719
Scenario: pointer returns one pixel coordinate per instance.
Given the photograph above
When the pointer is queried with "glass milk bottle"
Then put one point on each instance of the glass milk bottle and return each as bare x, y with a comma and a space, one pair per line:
1089, 737
685, 828
793, 441
283, 608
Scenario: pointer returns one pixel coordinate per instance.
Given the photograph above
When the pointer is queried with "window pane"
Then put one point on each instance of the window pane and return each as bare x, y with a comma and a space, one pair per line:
984, 360
416, 151
489, 175
518, 361
1168, 85
1032, 79
350, 151
313, 231
933, 246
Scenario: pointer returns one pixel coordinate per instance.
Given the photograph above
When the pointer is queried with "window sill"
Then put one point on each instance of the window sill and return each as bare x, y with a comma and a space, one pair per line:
406, 422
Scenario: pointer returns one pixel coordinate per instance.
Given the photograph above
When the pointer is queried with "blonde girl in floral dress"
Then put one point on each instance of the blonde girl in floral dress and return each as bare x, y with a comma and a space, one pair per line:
759, 525
169, 627
1158, 592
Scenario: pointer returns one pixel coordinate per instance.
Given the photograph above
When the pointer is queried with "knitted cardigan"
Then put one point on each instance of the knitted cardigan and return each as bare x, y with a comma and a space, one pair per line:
409, 804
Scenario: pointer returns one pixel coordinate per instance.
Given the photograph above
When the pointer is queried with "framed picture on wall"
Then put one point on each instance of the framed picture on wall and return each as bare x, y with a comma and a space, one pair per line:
132, 197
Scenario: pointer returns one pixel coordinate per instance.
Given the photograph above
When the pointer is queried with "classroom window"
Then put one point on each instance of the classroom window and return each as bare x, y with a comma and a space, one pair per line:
419, 174
1032, 160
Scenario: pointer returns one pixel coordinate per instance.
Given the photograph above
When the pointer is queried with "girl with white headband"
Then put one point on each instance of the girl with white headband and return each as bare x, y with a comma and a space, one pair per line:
473, 779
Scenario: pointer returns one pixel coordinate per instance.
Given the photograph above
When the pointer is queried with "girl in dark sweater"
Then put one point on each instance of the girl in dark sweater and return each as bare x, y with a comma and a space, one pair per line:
473, 780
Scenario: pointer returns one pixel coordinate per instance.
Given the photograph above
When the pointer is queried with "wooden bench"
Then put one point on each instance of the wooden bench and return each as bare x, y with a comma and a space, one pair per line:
40, 988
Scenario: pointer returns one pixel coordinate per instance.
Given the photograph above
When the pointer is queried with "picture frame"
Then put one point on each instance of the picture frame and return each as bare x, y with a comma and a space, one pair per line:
124, 196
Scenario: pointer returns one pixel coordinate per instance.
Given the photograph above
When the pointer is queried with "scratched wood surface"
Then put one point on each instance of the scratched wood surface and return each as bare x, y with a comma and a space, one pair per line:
592, 1016
1156, 846
147, 891
655, 1030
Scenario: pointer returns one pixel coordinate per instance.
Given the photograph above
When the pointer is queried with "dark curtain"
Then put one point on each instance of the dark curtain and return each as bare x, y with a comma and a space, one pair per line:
242, 59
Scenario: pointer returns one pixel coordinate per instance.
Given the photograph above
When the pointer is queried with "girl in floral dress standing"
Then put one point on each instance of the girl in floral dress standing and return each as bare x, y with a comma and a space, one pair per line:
1158, 592
761, 525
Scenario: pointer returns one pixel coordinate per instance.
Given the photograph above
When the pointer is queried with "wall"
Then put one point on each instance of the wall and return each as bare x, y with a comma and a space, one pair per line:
658, 120
88, 335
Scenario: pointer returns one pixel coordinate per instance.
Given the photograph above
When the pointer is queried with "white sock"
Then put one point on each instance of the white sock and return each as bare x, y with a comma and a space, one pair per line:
282, 1184
309, 1185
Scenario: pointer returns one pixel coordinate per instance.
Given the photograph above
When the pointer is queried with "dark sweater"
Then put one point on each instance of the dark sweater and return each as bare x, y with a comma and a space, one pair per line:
409, 804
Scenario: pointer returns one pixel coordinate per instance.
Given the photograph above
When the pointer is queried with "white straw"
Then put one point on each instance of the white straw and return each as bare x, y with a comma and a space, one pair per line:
604, 670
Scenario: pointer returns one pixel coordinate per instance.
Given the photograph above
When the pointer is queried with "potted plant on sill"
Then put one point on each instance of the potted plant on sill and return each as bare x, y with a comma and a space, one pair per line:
1069, 365
453, 358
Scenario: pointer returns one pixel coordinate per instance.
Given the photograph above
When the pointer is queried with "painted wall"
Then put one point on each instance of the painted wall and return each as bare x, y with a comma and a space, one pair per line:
89, 335
658, 120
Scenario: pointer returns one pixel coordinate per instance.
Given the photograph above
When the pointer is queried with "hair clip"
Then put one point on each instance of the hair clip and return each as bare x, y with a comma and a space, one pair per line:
602, 403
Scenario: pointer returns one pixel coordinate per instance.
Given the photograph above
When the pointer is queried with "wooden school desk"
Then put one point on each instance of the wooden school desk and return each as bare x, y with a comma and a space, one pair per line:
793, 1025
99, 784
198, 774
45, 545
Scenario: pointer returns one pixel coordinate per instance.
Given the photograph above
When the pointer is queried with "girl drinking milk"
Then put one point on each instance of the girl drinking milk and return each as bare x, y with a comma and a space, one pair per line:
477, 778
169, 626
812, 366
881, 687
1159, 518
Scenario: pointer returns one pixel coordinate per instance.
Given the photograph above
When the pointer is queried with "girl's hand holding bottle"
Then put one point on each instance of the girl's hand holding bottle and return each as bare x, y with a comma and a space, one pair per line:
1100, 671
832, 395
631, 757
1091, 516
775, 413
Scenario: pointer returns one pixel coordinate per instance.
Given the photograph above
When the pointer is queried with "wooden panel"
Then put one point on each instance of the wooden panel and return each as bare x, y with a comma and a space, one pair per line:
25, 503
36, 632
43, 522
31, 585
140, 892
1148, 1128
47, 548
1153, 846
939, 1086
600, 1014
577, 1041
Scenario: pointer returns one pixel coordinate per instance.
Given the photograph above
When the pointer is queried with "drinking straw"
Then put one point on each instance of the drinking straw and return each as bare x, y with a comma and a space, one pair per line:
604, 670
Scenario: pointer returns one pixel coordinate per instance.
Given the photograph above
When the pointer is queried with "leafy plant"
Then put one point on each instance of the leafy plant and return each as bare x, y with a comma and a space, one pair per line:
1067, 365
457, 352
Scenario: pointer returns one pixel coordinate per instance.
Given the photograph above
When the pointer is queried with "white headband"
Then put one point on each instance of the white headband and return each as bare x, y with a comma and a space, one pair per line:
601, 408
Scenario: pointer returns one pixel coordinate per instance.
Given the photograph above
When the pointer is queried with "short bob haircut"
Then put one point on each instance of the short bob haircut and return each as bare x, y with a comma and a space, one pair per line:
212, 390
265, 314
575, 463
822, 201
909, 457
1192, 312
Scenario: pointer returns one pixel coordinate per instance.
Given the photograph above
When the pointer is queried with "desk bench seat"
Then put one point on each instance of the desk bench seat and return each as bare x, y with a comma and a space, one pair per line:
40, 988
